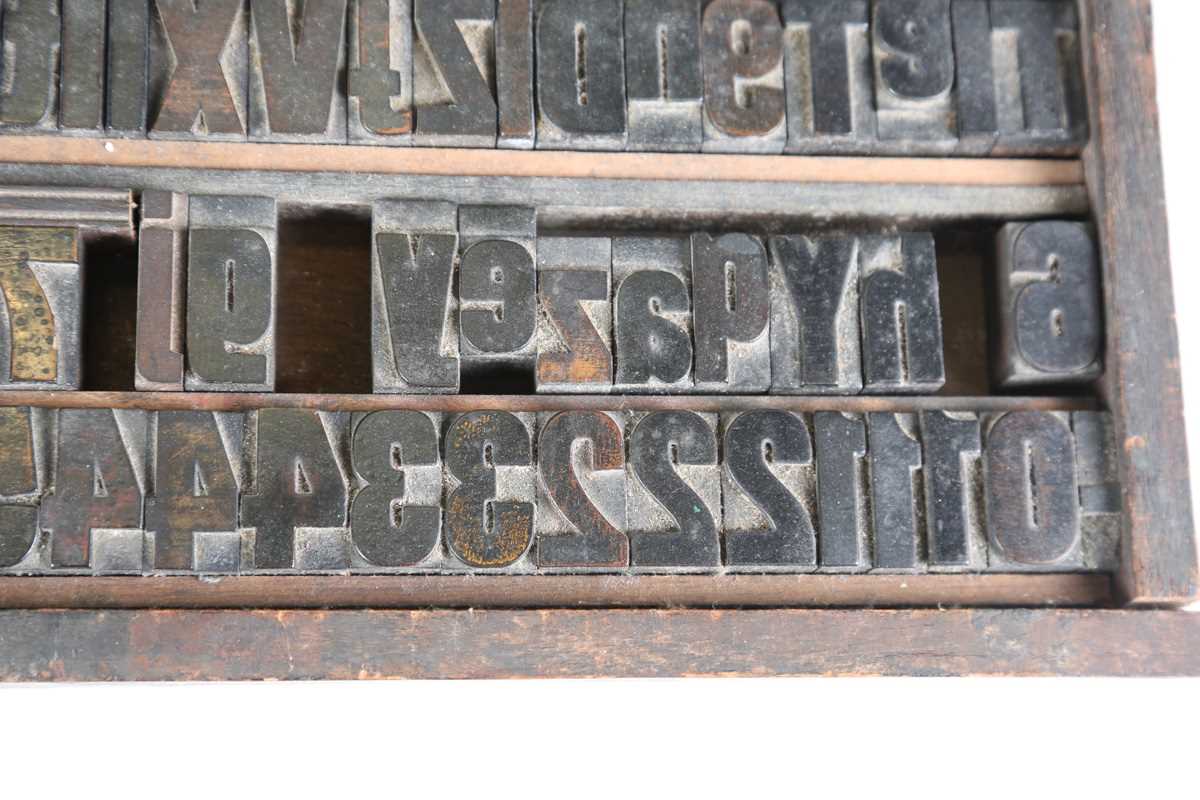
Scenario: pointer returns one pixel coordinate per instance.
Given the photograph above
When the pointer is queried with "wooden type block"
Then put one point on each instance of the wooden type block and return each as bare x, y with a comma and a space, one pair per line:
897, 510
413, 307
127, 87
231, 293
41, 316
1099, 490
454, 70
575, 315
396, 513
1042, 99
580, 75
770, 492
581, 491
298, 491
815, 337
497, 292
829, 77
379, 80
953, 477
99, 482
197, 469
1033, 499
298, 58
975, 81
199, 69
21, 479
1048, 305
731, 313
517, 118
652, 313
673, 494
489, 507
81, 87
18, 532
30, 37
844, 543
662, 73
741, 53
913, 47
901, 315
161, 313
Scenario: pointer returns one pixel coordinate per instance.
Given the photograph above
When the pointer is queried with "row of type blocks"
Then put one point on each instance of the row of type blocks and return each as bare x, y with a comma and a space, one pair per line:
804, 76
758, 490
474, 291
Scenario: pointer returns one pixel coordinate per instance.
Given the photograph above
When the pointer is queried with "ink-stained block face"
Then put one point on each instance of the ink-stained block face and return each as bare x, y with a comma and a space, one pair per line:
31, 42
742, 57
414, 335
914, 69
652, 314
231, 291
41, 313
379, 77
516, 122
127, 85
953, 478
897, 514
161, 309
575, 315
81, 82
1048, 305
454, 70
843, 493
731, 314
662, 75
22, 476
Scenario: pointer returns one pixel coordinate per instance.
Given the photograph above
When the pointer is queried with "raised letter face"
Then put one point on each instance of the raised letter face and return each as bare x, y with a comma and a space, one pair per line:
162, 245
575, 323
742, 55
30, 42
914, 69
732, 313
662, 70
379, 82
20, 484
652, 314
454, 69
514, 74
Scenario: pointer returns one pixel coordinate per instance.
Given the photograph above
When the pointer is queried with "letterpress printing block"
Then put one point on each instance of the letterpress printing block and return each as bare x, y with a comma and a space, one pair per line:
1099, 490
162, 244
127, 87
580, 75
975, 83
99, 481
1048, 296
197, 480
742, 58
662, 72
41, 283
231, 288
81, 89
199, 69
298, 55
117, 551
454, 70
953, 491
814, 316
396, 514
581, 491
490, 491
497, 290
732, 313
842, 492
1042, 99
514, 74
769, 491
829, 77
20, 484
413, 309
379, 83
1032, 493
901, 315
575, 315
652, 313
897, 513
30, 35
217, 552
673, 498
914, 70
298, 489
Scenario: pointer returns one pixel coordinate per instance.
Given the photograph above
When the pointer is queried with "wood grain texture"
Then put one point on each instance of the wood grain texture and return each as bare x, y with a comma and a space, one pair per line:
1143, 381
295, 645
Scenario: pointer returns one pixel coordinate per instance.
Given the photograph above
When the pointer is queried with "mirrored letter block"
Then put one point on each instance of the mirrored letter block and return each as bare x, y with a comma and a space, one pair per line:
975, 83
914, 70
1048, 305
575, 320
514, 75
652, 313
842, 491
162, 245
732, 313
22, 477
127, 86
379, 82
742, 57
454, 70
231, 294
30, 38
413, 333
953, 487
662, 72
41, 284
81, 88
897, 513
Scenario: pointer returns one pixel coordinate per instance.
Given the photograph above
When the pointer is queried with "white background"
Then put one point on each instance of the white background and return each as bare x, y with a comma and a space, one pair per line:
727, 738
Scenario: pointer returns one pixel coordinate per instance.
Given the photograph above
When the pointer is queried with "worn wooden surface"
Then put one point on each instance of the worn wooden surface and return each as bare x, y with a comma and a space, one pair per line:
1143, 381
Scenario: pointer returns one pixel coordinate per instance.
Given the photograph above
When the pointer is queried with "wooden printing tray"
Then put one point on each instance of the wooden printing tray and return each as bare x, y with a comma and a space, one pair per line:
331, 626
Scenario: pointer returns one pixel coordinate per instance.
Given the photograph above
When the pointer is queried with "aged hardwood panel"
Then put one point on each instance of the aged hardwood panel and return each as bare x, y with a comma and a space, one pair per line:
1143, 382
198, 645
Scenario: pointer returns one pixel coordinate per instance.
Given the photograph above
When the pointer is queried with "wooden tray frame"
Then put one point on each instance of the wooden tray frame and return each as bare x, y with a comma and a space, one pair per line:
185, 628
